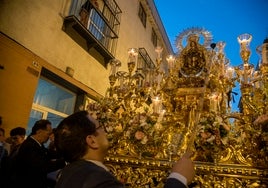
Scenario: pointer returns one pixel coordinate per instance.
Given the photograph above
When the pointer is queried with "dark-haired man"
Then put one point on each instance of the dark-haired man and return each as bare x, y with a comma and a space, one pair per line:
17, 136
83, 143
32, 162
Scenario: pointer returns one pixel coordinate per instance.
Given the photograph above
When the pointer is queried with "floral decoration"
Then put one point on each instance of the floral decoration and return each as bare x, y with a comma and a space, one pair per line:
138, 129
213, 134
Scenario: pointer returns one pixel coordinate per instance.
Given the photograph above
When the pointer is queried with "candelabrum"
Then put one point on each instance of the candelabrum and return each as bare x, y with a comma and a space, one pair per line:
253, 103
253, 81
158, 114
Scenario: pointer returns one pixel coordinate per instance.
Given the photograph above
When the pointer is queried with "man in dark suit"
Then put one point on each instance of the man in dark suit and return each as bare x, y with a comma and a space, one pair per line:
32, 162
83, 143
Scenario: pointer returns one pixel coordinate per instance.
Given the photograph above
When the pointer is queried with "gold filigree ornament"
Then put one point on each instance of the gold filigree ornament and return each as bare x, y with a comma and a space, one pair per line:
153, 116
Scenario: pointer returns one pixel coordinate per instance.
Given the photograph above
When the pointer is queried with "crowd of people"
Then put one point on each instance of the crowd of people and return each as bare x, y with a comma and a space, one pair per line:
28, 162
73, 159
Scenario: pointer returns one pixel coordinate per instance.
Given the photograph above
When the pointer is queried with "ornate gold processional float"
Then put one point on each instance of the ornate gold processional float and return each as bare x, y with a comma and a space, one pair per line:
154, 115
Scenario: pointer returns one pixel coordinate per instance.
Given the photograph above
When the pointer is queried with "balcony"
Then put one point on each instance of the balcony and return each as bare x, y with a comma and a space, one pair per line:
94, 30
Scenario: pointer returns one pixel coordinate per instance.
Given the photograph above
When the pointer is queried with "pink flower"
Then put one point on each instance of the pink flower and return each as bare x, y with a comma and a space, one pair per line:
139, 135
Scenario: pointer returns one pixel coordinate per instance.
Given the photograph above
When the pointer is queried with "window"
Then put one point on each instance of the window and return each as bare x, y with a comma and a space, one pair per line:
154, 38
142, 15
145, 67
101, 26
52, 102
144, 61
62, 100
95, 27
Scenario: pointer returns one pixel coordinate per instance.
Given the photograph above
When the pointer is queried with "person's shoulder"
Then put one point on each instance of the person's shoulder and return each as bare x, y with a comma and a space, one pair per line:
87, 174
29, 144
27, 141
76, 171
84, 168
174, 183
83, 164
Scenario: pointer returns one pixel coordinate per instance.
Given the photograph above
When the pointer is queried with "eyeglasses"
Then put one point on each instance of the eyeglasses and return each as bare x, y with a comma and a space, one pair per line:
101, 126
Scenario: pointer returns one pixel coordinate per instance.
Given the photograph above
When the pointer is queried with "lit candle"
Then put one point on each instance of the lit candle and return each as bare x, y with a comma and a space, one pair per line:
170, 59
121, 78
132, 58
132, 52
265, 52
244, 40
158, 81
256, 77
229, 72
214, 102
158, 125
157, 104
148, 78
248, 71
220, 45
159, 50
161, 115
115, 64
243, 44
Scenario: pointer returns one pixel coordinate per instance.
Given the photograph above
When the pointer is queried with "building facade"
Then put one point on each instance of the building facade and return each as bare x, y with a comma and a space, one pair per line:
55, 54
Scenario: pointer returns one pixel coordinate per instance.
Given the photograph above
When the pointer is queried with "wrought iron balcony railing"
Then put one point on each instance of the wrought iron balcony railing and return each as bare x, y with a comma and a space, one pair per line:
94, 27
